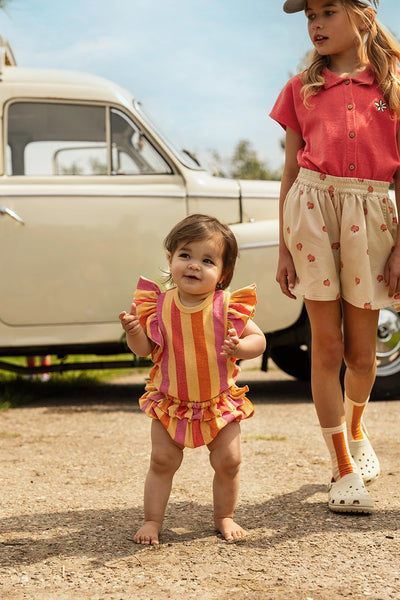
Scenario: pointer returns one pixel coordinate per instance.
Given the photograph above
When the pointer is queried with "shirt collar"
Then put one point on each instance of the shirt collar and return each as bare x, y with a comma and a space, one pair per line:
366, 77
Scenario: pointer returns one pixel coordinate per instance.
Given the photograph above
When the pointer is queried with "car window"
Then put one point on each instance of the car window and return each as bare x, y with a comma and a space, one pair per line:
132, 153
46, 138
56, 139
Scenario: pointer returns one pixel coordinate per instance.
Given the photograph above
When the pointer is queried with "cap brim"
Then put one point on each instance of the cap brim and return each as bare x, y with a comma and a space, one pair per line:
293, 6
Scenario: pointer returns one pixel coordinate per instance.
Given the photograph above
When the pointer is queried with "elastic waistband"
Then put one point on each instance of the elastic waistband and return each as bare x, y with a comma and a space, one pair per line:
342, 184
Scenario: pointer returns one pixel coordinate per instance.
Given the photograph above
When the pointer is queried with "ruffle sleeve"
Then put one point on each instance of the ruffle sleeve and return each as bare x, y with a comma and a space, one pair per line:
145, 297
241, 307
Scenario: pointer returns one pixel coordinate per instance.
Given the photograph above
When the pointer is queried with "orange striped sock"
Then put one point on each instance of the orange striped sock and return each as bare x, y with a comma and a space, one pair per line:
354, 413
336, 441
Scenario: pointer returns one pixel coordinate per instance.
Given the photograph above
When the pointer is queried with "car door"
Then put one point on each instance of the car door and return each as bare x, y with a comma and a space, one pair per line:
85, 203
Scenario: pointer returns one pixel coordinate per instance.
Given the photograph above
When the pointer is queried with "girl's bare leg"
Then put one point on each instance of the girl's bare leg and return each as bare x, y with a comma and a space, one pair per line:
225, 458
360, 327
329, 346
327, 351
166, 457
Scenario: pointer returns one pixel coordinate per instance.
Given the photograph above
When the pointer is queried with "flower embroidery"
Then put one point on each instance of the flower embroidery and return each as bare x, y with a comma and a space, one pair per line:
381, 105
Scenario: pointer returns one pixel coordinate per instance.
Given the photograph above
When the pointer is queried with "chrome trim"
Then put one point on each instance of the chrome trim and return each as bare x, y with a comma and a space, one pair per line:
7, 211
20, 195
258, 245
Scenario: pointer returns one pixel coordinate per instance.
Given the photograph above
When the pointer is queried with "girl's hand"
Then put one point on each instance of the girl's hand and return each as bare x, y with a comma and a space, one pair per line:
231, 344
130, 321
392, 272
286, 273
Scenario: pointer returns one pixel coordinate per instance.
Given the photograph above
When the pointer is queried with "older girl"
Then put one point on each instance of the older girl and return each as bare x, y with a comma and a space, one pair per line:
339, 247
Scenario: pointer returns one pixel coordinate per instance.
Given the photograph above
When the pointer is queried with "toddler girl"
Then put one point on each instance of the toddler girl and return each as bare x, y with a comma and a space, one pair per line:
194, 332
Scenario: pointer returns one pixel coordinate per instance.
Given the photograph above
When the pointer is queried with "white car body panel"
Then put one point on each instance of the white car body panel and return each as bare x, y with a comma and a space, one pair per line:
72, 260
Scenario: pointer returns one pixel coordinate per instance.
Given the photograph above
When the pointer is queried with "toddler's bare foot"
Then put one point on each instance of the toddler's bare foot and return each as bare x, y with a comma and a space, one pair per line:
148, 533
229, 529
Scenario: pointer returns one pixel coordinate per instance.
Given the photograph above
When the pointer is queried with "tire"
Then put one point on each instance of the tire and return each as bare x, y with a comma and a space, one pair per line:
388, 354
294, 360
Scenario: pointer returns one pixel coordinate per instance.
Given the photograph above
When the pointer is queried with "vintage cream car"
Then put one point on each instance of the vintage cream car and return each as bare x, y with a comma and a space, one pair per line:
89, 188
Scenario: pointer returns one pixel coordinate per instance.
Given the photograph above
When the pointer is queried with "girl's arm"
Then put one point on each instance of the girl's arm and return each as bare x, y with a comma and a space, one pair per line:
250, 344
136, 336
392, 269
286, 274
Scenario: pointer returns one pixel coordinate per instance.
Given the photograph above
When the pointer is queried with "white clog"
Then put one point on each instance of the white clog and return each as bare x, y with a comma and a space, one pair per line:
349, 494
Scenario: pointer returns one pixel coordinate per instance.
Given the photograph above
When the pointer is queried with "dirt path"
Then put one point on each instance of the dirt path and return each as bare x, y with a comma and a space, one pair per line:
71, 480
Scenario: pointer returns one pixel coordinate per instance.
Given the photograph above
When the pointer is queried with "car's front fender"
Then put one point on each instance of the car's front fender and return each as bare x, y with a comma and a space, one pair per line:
258, 259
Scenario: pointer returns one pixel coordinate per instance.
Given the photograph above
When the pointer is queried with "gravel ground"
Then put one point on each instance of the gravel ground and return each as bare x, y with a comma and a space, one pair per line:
71, 480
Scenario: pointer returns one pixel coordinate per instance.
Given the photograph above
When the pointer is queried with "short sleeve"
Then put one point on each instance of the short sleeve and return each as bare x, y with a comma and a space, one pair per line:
284, 110
145, 297
241, 308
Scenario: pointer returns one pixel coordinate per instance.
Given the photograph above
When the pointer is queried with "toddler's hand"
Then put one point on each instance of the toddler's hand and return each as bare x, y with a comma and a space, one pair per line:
230, 345
130, 321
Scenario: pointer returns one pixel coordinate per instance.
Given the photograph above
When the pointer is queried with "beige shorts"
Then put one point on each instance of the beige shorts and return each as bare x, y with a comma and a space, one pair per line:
340, 232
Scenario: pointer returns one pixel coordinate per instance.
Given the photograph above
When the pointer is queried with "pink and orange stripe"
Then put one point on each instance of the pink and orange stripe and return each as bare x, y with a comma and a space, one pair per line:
192, 389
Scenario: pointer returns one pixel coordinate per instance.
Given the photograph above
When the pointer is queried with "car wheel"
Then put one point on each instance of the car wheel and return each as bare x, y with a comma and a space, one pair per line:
294, 360
388, 353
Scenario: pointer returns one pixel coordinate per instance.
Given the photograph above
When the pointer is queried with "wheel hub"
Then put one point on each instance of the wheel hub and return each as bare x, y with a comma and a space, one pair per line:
388, 342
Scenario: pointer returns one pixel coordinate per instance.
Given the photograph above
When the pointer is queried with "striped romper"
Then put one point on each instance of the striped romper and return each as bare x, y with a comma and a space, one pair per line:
192, 389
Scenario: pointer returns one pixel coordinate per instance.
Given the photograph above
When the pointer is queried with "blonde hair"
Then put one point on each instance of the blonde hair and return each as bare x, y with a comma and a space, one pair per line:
376, 46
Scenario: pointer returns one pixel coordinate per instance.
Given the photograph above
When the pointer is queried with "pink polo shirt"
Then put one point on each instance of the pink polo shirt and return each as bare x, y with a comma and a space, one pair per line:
348, 130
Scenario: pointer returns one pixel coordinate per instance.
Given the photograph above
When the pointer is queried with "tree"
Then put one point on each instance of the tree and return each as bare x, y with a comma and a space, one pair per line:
246, 164
243, 164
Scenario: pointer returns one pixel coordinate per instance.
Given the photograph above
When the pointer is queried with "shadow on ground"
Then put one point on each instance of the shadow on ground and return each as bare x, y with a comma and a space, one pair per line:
106, 535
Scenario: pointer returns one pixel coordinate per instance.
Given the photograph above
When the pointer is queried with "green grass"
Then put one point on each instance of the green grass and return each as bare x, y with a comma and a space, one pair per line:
15, 390
265, 438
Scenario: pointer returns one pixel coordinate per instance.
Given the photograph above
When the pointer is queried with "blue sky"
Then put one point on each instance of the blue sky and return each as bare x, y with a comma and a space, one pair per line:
207, 71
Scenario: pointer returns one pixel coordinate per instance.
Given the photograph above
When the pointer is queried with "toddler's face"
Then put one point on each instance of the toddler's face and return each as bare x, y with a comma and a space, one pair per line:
196, 268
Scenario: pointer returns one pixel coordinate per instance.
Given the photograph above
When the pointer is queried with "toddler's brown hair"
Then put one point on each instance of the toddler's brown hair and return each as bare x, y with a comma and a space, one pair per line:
201, 227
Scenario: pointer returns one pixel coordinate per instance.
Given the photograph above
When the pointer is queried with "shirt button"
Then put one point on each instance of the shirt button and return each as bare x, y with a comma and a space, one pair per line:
347, 81
352, 134
352, 167
350, 106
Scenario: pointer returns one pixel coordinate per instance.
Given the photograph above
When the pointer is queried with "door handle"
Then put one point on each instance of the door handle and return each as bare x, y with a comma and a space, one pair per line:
7, 211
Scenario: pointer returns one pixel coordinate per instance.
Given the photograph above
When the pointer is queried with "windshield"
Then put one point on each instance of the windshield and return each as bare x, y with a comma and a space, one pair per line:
185, 156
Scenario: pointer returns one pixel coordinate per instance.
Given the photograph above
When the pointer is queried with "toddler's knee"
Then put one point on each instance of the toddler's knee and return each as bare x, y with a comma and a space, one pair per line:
228, 464
165, 462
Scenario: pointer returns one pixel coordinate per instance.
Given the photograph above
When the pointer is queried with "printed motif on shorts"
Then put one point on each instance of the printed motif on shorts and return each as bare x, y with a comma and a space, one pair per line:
340, 232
